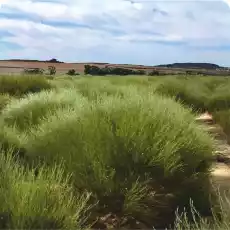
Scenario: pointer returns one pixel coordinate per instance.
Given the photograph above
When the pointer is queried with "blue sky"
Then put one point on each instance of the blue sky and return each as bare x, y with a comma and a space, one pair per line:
117, 31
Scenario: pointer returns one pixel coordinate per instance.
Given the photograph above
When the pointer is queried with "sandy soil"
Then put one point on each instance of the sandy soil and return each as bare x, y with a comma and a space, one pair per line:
220, 175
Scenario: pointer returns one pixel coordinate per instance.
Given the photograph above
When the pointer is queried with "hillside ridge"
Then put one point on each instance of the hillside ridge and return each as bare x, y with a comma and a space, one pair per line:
190, 65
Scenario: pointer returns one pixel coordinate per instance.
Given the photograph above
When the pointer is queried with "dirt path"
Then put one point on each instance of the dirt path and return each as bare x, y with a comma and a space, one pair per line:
221, 164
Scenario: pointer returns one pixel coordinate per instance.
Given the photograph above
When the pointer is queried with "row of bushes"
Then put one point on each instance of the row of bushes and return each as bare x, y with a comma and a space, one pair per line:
201, 94
39, 71
95, 70
51, 69
143, 163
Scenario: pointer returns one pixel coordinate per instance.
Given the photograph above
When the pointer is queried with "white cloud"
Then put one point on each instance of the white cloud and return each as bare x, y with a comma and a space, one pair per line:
130, 29
227, 2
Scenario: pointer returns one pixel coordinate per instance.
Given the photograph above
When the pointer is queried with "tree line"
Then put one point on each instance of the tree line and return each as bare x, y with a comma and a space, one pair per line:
95, 70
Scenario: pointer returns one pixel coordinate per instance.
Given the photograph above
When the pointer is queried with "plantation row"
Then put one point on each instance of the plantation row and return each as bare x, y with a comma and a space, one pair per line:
76, 149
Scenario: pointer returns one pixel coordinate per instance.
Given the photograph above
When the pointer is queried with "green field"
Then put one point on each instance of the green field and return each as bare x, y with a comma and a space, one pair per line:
75, 149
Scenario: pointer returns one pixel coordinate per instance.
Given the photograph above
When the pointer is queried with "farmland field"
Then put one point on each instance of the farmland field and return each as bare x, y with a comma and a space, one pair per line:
110, 152
18, 66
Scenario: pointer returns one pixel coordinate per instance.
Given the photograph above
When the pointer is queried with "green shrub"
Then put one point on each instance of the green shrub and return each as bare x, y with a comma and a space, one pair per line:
130, 80
189, 93
63, 82
29, 111
72, 72
43, 201
52, 70
220, 214
200, 93
96, 89
10, 138
20, 85
219, 102
4, 99
214, 83
95, 70
220, 97
223, 119
110, 146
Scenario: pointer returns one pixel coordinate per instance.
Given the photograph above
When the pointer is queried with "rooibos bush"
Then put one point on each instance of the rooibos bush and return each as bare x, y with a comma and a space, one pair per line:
111, 145
220, 98
45, 201
189, 93
20, 85
223, 118
4, 99
26, 112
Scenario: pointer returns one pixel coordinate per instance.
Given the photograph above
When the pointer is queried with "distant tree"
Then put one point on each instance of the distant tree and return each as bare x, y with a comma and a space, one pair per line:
52, 70
87, 69
71, 72
95, 70
54, 60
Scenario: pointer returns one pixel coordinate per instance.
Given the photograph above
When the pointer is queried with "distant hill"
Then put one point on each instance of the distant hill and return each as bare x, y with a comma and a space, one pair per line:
26, 60
208, 66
